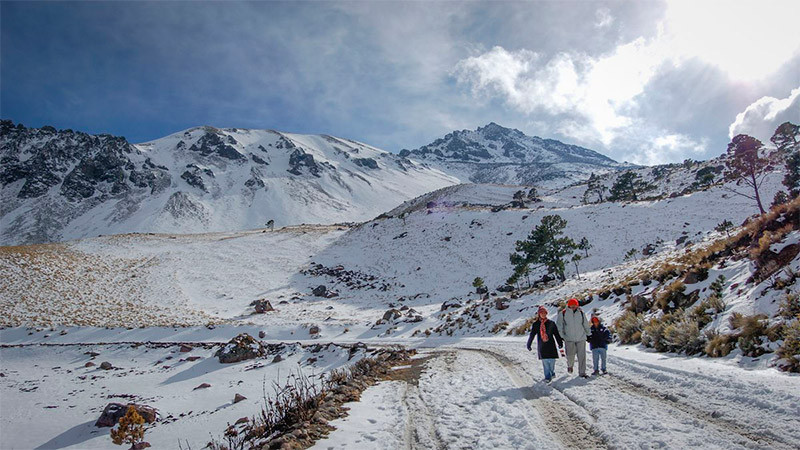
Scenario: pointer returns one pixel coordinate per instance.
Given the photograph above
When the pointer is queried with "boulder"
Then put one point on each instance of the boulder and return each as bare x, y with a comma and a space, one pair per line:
314, 330
105, 365
451, 304
238, 397
202, 386
89, 364
505, 288
262, 306
262, 334
320, 291
392, 314
185, 348
501, 303
113, 411
277, 359
240, 348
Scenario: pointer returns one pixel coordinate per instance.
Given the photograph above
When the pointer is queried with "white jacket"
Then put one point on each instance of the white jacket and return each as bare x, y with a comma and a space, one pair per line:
573, 326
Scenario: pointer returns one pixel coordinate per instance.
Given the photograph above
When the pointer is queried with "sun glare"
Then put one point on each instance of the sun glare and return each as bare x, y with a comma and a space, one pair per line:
747, 39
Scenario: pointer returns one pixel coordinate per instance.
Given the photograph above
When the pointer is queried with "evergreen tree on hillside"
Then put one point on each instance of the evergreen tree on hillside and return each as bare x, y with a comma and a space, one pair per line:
786, 136
746, 165
594, 189
544, 247
628, 187
584, 245
792, 178
787, 140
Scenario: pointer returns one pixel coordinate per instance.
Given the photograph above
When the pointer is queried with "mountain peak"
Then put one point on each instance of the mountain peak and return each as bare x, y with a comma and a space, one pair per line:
492, 126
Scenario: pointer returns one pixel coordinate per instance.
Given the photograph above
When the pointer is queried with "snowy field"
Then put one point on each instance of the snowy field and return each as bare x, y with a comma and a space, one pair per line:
134, 298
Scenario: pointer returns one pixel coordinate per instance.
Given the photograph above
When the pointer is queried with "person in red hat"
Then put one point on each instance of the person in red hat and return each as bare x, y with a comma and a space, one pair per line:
598, 342
574, 329
546, 331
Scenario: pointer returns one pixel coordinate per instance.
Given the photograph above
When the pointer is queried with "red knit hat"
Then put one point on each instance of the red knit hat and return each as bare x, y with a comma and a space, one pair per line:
596, 320
542, 309
573, 302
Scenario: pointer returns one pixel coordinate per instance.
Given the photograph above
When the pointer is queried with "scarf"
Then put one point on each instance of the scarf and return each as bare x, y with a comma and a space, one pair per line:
542, 331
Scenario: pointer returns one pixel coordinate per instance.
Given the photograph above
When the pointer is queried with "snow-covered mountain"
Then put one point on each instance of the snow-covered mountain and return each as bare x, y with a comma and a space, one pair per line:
495, 154
61, 184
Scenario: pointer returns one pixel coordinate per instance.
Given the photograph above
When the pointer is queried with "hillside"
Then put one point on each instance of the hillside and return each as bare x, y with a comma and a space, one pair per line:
157, 307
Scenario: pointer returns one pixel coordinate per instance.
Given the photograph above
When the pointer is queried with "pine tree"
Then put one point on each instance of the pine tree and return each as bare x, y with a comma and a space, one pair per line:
585, 246
477, 283
792, 178
575, 260
726, 226
745, 164
779, 199
594, 188
628, 187
786, 136
544, 247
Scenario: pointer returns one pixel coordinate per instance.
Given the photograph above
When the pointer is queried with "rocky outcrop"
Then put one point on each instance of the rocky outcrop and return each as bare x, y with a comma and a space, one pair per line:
241, 348
262, 306
366, 162
300, 160
213, 144
114, 411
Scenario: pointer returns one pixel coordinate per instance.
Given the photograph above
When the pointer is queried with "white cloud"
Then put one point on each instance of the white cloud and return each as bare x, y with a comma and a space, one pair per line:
668, 148
763, 116
594, 99
599, 90
603, 18
747, 39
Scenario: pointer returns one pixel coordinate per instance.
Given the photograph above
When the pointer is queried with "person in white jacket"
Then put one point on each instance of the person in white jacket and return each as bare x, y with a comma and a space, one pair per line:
574, 329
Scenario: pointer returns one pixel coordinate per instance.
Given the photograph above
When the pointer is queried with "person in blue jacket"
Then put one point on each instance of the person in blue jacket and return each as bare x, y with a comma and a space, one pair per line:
598, 342
547, 333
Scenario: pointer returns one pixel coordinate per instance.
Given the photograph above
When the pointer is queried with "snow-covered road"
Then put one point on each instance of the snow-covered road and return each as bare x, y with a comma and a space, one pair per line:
483, 394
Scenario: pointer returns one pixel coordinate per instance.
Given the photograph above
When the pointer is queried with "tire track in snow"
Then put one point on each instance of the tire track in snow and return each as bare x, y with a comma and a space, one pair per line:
761, 438
419, 432
569, 429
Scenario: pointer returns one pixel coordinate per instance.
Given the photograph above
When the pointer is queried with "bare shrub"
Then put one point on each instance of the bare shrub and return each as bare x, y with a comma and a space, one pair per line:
789, 351
751, 331
498, 327
629, 327
684, 336
790, 306
719, 345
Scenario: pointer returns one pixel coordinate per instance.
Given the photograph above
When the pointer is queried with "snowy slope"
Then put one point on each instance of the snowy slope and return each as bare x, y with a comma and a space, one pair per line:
420, 260
475, 387
61, 185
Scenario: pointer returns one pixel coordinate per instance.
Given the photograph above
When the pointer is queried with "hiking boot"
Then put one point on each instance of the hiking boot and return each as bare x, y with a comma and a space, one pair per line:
596, 372
569, 369
583, 375
604, 372
547, 380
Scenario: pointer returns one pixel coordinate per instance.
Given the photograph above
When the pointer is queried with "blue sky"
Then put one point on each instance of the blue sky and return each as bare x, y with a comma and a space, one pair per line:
645, 82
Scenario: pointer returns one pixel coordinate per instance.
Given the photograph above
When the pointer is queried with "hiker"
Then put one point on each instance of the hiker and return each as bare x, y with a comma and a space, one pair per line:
574, 329
598, 342
547, 332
